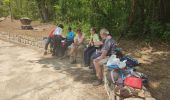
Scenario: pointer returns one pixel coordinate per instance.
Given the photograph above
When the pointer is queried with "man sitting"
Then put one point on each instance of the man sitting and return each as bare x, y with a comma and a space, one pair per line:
108, 49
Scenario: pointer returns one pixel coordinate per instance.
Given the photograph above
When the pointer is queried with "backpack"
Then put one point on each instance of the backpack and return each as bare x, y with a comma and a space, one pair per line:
131, 62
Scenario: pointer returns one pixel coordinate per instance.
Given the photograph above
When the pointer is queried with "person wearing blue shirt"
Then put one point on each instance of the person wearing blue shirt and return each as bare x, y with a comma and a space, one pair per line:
70, 36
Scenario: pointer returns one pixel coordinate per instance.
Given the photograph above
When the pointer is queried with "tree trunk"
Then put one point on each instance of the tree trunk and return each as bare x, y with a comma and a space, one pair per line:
43, 10
142, 13
10, 11
133, 9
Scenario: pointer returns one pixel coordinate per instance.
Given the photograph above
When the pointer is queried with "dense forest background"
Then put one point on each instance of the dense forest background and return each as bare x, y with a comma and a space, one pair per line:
137, 19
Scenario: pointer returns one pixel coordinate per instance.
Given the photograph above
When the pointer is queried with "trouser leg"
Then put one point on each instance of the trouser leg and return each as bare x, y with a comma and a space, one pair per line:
57, 43
89, 54
85, 55
47, 43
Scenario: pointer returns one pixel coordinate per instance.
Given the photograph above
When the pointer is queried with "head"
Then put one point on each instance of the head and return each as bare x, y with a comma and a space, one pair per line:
61, 26
79, 31
93, 30
104, 33
69, 29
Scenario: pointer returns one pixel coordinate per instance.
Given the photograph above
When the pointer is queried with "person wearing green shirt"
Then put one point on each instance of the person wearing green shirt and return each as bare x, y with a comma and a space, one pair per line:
94, 43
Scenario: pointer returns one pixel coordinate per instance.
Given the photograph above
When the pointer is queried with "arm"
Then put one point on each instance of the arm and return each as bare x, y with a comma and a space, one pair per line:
96, 40
98, 43
105, 49
51, 32
75, 40
72, 35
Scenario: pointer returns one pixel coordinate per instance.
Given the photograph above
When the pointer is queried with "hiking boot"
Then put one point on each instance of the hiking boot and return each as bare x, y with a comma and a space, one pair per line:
73, 62
90, 67
97, 83
64, 57
86, 65
45, 53
53, 54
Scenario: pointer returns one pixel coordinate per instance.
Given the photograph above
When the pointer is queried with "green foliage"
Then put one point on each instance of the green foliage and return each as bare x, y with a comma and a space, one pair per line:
156, 29
166, 36
20, 8
3, 10
6, 2
144, 19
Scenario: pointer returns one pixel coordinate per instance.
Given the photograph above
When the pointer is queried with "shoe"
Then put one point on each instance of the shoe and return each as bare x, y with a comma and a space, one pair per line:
90, 67
53, 54
97, 83
45, 53
64, 57
85, 65
73, 62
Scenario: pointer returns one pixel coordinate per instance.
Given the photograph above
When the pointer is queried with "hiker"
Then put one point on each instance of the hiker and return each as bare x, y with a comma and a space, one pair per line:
108, 48
77, 46
95, 54
57, 37
50, 41
70, 37
92, 46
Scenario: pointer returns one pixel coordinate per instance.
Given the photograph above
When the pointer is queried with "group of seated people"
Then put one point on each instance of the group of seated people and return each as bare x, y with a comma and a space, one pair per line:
95, 53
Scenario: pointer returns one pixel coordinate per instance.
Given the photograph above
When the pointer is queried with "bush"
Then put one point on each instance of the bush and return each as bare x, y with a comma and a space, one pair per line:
166, 36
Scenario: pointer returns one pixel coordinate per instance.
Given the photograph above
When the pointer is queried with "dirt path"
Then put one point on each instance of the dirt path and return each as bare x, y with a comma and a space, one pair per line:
26, 75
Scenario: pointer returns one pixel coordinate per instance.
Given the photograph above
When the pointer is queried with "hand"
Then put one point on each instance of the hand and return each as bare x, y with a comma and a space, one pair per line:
97, 59
92, 44
75, 44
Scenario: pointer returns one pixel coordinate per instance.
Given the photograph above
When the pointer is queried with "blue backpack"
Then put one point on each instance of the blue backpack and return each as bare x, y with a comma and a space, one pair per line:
131, 62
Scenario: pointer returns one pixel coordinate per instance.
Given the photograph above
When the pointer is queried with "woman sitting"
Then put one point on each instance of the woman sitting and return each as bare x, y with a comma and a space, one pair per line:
77, 46
92, 46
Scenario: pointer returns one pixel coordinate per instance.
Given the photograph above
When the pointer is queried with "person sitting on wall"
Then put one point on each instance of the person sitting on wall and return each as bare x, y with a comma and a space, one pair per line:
57, 37
70, 37
108, 48
78, 45
92, 46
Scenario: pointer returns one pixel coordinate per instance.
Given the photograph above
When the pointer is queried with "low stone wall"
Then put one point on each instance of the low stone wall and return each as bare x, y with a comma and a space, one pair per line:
23, 39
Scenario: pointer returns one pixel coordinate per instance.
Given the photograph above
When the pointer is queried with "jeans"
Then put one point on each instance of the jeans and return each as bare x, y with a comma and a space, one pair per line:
69, 43
94, 56
87, 54
57, 43
49, 41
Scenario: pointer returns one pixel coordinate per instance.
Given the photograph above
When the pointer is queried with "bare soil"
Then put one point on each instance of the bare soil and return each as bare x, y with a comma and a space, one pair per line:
30, 75
26, 75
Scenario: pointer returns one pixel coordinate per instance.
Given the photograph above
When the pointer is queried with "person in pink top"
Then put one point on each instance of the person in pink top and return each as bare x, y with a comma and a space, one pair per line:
77, 45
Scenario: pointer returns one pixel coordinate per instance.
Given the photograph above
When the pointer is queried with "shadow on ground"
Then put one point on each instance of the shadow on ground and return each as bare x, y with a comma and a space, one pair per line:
76, 71
155, 59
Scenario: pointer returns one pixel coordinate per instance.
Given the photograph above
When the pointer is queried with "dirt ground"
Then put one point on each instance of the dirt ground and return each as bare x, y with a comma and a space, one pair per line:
155, 59
26, 75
